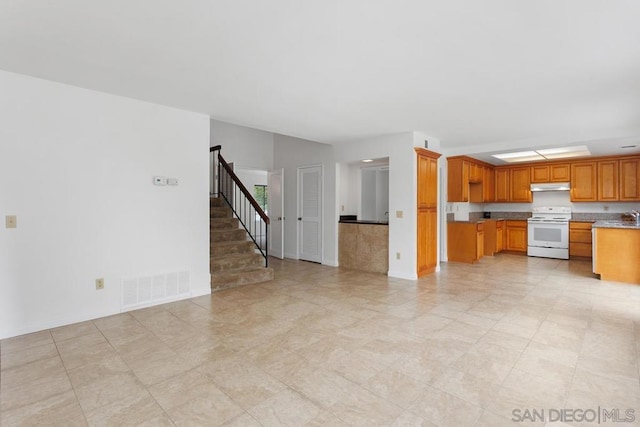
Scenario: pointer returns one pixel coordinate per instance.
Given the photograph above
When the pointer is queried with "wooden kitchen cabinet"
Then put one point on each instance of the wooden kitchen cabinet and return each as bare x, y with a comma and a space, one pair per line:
499, 236
608, 180
616, 254
488, 185
475, 172
560, 172
580, 244
457, 180
629, 175
493, 236
515, 235
520, 184
550, 173
502, 185
584, 186
465, 241
427, 224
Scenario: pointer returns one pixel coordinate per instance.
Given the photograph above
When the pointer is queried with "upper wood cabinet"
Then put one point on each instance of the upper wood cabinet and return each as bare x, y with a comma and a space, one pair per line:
520, 188
608, 180
629, 189
502, 185
427, 181
475, 172
488, 184
605, 179
457, 180
550, 173
584, 182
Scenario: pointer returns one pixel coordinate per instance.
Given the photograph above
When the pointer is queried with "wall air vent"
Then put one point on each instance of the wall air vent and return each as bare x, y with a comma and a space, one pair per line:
142, 291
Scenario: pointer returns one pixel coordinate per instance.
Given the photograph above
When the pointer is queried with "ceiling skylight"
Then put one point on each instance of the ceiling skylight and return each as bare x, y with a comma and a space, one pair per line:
545, 154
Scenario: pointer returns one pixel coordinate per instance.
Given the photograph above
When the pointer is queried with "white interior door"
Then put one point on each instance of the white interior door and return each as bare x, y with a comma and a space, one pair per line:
275, 204
310, 213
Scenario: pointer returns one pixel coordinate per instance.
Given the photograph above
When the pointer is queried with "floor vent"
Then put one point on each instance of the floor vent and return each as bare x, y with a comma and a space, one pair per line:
142, 291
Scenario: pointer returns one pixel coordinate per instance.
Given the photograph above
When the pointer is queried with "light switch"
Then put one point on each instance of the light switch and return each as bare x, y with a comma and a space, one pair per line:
11, 221
172, 181
159, 180
399, 214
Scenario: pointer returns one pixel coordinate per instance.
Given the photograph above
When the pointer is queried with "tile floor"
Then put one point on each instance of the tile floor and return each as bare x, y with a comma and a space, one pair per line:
326, 346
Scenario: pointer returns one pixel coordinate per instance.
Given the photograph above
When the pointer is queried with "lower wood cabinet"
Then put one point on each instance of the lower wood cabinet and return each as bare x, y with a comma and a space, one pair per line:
465, 241
580, 244
515, 235
493, 236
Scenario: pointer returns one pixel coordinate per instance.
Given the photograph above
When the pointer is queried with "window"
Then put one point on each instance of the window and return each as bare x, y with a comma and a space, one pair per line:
260, 193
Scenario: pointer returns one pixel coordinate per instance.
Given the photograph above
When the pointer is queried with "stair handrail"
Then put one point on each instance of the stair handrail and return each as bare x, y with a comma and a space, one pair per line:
219, 187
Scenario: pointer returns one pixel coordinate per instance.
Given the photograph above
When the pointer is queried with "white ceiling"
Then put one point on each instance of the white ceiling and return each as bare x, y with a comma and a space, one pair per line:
478, 75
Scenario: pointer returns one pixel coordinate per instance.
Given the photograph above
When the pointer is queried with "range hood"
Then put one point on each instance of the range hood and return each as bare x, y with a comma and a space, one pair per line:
553, 186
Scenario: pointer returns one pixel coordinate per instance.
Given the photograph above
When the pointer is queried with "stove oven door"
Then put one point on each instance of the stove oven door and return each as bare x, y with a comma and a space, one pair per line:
548, 234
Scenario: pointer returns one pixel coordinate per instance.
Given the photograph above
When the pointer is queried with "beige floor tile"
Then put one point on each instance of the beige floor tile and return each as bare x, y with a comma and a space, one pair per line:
57, 410
242, 420
327, 346
503, 339
408, 419
95, 371
591, 390
477, 390
363, 408
24, 342
522, 390
115, 321
244, 382
159, 370
130, 411
108, 390
445, 409
287, 408
32, 382
73, 331
395, 387
85, 349
28, 355
321, 386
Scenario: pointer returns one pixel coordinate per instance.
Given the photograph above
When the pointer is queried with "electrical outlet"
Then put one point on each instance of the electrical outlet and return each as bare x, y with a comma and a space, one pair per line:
397, 255
606, 207
99, 284
11, 221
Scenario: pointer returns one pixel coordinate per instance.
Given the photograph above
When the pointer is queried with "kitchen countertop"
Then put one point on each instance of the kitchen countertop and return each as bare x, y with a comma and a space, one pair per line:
361, 221
616, 224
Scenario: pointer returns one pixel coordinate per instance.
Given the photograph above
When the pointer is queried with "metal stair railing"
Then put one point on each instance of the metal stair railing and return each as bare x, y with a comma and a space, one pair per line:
226, 184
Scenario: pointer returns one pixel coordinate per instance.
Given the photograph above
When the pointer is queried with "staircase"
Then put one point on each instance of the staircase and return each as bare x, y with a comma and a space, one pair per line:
234, 261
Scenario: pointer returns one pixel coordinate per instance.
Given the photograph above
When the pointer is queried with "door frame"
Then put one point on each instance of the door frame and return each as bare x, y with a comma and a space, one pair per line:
298, 211
269, 173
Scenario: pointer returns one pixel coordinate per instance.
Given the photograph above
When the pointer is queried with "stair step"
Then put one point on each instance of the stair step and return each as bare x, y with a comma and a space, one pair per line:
227, 235
218, 223
240, 277
217, 202
233, 262
221, 212
221, 249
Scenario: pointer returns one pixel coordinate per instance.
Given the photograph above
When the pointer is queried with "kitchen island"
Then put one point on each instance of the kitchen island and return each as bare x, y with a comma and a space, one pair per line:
616, 251
364, 245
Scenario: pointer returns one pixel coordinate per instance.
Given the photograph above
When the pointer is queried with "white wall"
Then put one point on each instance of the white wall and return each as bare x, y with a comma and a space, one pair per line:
402, 191
76, 167
290, 153
349, 189
245, 147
